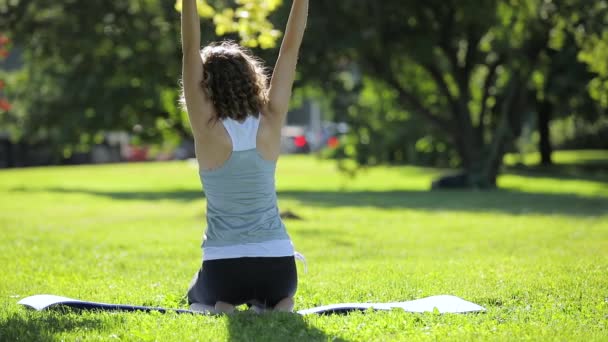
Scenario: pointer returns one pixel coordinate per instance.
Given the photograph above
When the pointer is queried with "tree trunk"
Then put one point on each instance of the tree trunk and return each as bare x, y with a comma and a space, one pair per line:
544, 109
507, 129
480, 164
474, 175
495, 165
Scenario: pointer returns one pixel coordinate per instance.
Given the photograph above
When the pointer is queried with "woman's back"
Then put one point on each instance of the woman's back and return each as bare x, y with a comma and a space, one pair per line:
241, 196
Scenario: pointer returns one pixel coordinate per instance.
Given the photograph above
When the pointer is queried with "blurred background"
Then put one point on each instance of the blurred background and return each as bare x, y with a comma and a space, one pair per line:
469, 85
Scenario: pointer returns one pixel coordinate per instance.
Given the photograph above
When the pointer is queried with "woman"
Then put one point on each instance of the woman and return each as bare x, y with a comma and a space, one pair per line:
236, 120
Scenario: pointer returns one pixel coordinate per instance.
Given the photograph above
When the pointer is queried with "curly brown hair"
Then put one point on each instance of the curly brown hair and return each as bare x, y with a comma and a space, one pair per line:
234, 80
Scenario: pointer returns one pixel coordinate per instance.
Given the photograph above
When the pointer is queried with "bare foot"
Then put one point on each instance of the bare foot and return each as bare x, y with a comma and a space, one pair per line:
223, 307
285, 305
258, 309
198, 307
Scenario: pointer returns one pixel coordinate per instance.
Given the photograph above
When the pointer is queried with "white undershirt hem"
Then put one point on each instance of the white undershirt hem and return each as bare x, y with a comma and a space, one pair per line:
273, 248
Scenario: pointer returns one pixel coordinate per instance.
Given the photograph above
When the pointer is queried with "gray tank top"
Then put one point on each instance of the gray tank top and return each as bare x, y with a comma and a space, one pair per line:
242, 214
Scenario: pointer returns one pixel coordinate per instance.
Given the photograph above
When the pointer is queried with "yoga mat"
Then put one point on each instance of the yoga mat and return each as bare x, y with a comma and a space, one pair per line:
442, 303
44, 302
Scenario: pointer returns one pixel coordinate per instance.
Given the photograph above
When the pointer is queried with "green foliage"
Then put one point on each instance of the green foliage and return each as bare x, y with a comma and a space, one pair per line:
588, 22
90, 69
429, 62
580, 26
369, 142
439, 82
594, 54
533, 254
464, 67
248, 19
108, 65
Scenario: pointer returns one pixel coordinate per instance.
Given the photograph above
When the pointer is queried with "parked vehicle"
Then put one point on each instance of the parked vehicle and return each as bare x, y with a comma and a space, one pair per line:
332, 133
294, 139
302, 139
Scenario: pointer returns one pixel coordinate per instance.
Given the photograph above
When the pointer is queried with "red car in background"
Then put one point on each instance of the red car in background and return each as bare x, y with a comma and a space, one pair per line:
302, 139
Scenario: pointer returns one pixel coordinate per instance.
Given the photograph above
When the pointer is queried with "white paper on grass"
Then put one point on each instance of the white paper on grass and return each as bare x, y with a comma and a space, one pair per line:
443, 304
43, 301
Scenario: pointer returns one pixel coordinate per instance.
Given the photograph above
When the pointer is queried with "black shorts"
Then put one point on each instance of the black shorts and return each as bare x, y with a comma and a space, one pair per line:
262, 282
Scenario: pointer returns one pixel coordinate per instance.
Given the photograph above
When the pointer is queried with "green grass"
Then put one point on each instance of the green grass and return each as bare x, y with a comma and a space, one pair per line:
563, 157
534, 253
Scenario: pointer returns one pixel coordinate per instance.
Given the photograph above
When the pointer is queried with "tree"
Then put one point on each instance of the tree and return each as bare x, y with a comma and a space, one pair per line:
560, 89
566, 81
463, 66
107, 65
90, 69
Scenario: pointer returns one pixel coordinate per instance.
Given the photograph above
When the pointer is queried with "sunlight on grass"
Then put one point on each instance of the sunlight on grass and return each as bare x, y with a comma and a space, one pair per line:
560, 157
552, 186
534, 253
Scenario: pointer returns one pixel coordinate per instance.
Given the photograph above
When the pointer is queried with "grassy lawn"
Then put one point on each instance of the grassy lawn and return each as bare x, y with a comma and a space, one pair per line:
534, 253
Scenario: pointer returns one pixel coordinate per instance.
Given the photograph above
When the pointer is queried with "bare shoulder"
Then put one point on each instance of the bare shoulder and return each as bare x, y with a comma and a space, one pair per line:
200, 116
270, 119
269, 136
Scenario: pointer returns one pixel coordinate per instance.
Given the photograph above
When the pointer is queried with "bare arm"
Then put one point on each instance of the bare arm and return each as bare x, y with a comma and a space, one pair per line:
192, 67
285, 68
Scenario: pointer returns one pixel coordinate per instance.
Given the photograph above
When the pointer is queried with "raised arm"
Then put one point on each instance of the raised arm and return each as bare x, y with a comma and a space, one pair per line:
192, 67
191, 29
285, 67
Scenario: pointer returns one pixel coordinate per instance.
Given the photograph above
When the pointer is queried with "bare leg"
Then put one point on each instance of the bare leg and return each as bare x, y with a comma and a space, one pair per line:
285, 305
223, 307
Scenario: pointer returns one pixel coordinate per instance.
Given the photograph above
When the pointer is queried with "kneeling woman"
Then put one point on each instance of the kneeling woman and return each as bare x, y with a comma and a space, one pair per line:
236, 120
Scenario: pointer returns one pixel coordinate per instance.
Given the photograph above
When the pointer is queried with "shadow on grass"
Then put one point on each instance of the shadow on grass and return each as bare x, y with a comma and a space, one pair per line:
244, 326
44, 326
505, 201
274, 327
512, 202
176, 195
